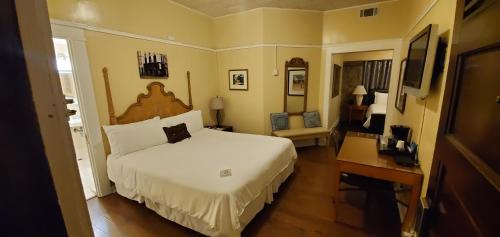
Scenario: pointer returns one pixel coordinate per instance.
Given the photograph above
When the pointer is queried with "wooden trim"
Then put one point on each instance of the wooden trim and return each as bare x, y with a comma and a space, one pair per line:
111, 109
188, 75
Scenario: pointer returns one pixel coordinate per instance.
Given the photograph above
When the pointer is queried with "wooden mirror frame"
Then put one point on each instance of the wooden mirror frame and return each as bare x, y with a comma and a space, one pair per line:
296, 62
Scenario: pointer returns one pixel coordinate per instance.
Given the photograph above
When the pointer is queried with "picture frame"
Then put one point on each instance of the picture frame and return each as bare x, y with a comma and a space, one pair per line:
238, 79
152, 65
297, 82
336, 69
401, 95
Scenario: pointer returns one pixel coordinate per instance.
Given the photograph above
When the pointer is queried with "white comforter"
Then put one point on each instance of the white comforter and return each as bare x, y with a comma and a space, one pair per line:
186, 176
374, 109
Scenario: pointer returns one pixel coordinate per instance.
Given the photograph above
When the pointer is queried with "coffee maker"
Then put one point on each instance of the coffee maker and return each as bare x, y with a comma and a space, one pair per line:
400, 132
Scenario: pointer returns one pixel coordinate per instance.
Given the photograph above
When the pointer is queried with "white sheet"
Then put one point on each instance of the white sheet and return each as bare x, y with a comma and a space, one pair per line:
185, 176
374, 109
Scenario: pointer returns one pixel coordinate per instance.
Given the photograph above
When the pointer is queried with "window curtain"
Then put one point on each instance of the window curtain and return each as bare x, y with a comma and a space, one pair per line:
377, 74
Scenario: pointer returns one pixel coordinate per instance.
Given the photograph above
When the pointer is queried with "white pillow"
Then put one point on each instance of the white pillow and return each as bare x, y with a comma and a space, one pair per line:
380, 98
127, 138
193, 120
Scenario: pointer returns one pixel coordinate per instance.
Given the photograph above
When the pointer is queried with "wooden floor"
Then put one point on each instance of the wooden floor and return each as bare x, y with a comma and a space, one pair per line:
302, 207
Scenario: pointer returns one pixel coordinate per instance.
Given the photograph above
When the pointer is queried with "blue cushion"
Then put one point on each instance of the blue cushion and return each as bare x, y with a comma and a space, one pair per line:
279, 121
311, 119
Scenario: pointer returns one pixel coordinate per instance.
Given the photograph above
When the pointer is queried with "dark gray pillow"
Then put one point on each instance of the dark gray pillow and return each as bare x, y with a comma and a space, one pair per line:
176, 133
311, 119
279, 121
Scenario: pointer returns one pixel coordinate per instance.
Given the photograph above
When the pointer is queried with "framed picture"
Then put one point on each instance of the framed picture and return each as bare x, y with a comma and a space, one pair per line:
336, 80
401, 95
152, 65
296, 82
238, 79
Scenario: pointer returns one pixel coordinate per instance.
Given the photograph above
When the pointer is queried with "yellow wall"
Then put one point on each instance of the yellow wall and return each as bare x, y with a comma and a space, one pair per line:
287, 26
157, 19
242, 109
423, 115
345, 25
266, 93
118, 54
239, 29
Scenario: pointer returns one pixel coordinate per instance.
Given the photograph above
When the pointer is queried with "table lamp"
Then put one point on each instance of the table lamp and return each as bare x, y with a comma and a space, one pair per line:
359, 92
217, 104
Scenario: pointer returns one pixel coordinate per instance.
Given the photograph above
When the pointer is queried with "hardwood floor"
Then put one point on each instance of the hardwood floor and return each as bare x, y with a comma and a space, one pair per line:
302, 207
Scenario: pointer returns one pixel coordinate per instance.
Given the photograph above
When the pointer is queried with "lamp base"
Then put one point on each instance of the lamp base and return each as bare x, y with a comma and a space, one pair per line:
359, 100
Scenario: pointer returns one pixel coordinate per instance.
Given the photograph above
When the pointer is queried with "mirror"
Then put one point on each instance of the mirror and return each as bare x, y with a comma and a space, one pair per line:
296, 73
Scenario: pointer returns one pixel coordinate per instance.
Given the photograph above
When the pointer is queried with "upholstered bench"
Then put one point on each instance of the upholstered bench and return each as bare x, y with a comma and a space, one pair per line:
305, 133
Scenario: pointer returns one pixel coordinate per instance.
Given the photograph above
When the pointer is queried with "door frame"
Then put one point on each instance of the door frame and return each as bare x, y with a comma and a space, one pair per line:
87, 103
388, 44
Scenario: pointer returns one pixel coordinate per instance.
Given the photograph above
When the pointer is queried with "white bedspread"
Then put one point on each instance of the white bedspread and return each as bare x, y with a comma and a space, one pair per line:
186, 176
374, 109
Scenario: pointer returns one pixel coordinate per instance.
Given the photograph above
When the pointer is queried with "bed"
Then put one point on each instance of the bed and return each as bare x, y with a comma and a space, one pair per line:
183, 182
376, 112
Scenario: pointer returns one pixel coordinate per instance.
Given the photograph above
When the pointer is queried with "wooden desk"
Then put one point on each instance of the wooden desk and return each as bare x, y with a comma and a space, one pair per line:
359, 155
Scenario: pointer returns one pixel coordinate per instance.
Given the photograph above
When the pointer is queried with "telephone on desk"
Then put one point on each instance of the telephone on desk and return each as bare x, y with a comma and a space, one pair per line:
403, 155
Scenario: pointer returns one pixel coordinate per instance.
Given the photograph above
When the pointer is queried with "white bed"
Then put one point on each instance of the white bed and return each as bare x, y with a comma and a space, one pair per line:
379, 106
374, 109
182, 182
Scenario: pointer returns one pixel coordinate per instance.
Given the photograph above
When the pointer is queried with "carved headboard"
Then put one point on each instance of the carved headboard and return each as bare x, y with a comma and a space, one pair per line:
156, 102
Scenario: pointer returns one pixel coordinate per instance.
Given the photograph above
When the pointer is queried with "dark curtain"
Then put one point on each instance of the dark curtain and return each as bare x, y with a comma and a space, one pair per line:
377, 74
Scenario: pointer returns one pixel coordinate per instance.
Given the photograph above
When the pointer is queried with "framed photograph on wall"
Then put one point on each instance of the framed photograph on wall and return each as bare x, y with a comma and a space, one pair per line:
401, 95
152, 65
336, 79
238, 79
296, 82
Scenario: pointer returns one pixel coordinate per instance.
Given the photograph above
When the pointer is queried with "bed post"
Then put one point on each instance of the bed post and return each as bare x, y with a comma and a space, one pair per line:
189, 89
111, 109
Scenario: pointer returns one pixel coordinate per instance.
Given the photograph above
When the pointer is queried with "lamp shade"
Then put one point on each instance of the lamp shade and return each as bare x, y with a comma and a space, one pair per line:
359, 90
217, 103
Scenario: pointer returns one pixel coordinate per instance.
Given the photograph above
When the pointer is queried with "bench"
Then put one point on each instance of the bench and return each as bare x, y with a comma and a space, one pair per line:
305, 133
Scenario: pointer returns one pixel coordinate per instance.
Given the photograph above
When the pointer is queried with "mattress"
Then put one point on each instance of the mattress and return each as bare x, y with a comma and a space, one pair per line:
183, 182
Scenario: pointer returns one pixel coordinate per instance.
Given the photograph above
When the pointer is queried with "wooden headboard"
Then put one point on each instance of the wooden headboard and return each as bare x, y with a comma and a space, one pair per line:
156, 102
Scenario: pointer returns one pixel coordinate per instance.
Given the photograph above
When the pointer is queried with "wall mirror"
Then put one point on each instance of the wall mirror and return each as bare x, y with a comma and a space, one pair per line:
296, 73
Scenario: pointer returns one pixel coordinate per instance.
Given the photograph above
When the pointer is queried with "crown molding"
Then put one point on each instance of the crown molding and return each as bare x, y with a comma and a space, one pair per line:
127, 34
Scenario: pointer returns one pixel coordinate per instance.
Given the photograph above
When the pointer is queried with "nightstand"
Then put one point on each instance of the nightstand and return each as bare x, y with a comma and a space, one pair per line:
357, 112
221, 128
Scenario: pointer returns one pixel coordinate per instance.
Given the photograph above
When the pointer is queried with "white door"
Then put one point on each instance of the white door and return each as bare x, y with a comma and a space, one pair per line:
76, 83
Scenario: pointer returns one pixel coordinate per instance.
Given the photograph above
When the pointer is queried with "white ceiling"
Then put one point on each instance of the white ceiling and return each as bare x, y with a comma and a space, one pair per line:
223, 7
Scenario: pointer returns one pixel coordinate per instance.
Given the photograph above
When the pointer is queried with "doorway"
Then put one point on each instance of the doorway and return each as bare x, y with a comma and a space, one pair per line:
80, 143
363, 80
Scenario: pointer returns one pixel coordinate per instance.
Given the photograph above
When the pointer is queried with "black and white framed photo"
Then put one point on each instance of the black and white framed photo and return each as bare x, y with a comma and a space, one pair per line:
238, 79
401, 95
152, 65
296, 82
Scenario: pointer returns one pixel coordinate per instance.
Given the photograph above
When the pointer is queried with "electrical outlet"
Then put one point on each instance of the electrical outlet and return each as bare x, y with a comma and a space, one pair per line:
225, 172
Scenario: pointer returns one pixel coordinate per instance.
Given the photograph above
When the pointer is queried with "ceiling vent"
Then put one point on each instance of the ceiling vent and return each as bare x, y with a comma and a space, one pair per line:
368, 12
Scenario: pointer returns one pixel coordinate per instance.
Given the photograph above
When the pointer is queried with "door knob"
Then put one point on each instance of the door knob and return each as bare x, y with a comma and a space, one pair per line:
498, 99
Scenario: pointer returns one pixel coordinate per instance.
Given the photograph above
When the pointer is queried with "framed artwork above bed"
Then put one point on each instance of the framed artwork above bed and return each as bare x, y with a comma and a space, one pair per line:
401, 95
